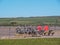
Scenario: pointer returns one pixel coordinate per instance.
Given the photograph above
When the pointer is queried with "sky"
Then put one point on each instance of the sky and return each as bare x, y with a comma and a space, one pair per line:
28, 8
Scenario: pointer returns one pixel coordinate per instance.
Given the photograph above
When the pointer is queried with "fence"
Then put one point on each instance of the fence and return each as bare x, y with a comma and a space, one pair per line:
11, 30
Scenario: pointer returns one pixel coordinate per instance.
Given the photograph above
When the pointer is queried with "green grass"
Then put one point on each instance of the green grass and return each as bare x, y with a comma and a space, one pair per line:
53, 20
39, 41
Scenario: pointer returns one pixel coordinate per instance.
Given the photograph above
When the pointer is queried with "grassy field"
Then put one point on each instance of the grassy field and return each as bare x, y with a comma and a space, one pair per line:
39, 41
52, 20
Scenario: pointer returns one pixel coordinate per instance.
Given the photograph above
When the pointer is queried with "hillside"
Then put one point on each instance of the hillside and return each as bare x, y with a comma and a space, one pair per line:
50, 20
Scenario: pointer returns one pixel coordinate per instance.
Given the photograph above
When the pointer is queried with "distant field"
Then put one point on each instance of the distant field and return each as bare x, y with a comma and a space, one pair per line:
41, 41
52, 20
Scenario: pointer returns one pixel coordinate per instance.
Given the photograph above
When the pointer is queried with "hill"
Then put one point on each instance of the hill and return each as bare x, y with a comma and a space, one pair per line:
50, 20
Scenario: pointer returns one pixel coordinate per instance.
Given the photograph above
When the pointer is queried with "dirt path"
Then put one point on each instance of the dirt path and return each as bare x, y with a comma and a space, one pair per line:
56, 35
5, 33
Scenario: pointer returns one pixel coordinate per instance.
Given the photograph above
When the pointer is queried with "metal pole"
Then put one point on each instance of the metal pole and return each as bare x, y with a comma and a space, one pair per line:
9, 31
56, 24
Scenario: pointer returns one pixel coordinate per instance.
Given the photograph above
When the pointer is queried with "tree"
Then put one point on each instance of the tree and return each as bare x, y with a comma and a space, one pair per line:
13, 23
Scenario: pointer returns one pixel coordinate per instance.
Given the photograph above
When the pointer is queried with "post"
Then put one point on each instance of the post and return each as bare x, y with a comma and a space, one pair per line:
9, 31
56, 24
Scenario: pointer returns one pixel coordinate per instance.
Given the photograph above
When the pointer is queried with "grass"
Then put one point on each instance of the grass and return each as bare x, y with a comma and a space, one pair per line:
39, 41
53, 20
